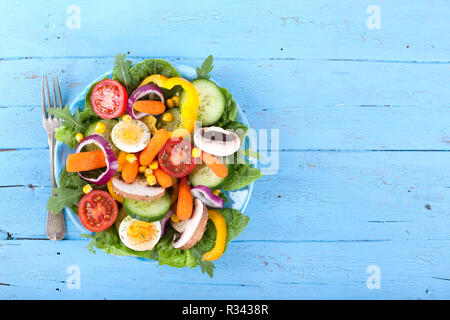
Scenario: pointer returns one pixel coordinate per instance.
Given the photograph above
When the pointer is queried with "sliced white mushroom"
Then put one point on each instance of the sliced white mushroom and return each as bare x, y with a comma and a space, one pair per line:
217, 141
194, 228
138, 190
179, 226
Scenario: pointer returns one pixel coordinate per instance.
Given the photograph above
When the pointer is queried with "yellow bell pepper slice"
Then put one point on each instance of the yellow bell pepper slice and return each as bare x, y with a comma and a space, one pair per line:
221, 236
116, 196
157, 79
189, 109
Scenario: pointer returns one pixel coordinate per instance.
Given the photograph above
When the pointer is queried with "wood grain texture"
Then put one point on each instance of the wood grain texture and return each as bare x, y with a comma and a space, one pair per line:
364, 140
291, 271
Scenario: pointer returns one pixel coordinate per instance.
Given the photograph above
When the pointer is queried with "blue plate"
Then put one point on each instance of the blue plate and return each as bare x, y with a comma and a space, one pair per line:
237, 199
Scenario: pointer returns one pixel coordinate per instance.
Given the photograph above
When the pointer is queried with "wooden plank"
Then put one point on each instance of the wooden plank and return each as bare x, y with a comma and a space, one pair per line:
392, 106
409, 270
315, 196
292, 29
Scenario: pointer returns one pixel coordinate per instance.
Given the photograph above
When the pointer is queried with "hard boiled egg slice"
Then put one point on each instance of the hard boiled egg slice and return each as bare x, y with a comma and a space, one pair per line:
139, 235
130, 136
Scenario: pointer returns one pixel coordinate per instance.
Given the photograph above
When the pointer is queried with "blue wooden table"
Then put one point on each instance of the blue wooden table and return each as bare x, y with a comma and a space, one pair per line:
360, 206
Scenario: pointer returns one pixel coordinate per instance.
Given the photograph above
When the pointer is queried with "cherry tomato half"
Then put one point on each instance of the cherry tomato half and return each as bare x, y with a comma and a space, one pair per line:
97, 210
175, 158
109, 99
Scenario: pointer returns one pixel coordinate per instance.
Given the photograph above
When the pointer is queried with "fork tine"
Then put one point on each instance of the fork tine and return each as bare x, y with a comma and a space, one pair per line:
44, 112
59, 92
54, 104
48, 92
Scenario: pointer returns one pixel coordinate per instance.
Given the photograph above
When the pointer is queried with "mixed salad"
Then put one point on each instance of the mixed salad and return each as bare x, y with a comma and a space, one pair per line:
155, 155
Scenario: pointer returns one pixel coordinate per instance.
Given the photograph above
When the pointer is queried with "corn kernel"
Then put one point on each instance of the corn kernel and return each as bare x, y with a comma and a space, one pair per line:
87, 188
100, 128
216, 192
176, 100
142, 169
151, 180
170, 103
196, 152
126, 118
153, 165
79, 137
167, 117
175, 218
148, 172
130, 158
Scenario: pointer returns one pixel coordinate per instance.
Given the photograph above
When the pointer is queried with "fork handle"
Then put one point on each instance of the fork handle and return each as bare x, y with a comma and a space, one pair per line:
56, 226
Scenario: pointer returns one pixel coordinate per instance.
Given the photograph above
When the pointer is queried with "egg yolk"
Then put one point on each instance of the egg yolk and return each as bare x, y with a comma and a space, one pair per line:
139, 232
130, 133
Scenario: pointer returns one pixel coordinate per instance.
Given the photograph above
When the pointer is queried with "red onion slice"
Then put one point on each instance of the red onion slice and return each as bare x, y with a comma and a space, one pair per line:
112, 164
207, 196
166, 220
139, 93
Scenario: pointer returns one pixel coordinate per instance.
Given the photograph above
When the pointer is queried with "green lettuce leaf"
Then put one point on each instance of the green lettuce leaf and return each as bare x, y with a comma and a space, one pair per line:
231, 111
69, 120
143, 69
240, 129
69, 193
121, 71
70, 180
239, 176
205, 266
64, 197
66, 135
205, 69
173, 257
109, 241
236, 223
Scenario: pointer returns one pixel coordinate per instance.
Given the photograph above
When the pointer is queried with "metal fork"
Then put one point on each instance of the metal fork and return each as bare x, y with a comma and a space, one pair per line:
56, 227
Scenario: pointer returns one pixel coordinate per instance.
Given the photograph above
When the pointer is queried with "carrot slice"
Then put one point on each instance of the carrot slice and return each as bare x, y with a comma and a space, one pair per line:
185, 202
174, 190
121, 160
151, 150
163, 179
130, 171
149, 106
215, 165
85, 161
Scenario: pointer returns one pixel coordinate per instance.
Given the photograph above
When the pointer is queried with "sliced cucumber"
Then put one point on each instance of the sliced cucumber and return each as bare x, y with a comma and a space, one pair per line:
170, 125
203, 175
212, 101
107, 134
148, 211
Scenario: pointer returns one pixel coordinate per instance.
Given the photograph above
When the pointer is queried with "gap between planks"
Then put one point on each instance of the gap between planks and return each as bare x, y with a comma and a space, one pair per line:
176, 58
